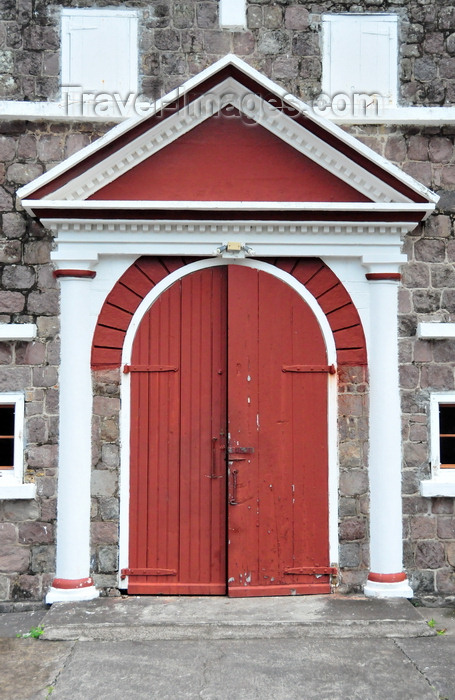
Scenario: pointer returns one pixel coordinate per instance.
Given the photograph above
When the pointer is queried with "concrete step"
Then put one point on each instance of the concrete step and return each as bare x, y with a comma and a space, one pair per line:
187, 618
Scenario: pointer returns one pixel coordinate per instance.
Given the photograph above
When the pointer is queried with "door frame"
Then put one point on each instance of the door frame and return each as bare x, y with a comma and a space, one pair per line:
144, 306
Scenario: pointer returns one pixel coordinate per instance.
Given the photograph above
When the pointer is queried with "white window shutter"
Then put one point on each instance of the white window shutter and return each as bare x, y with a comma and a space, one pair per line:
360, 56
233, 13
99, 51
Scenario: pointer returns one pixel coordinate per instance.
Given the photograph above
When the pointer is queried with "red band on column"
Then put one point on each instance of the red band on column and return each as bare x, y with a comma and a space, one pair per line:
69, 583
89, 274
387, 578
383, 275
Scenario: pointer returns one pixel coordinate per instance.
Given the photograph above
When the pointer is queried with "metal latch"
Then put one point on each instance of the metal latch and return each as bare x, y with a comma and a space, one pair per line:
240, 450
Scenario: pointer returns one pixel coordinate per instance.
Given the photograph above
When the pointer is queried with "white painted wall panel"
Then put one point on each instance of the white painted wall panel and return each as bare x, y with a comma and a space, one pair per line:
99, 50
360, 55
232, 13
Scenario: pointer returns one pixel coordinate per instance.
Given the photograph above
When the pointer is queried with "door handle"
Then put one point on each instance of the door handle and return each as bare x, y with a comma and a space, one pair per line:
233, 499
213, 474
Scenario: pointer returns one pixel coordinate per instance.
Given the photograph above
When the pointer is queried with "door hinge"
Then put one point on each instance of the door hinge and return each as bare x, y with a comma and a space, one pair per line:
310, 369
312, 570
149, 368
147, 572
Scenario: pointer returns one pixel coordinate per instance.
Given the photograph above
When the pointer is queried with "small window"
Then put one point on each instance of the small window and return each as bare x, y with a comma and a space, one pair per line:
447, 435
442, 427
11, 439
360, 58
99, 54
7, 424
233, 13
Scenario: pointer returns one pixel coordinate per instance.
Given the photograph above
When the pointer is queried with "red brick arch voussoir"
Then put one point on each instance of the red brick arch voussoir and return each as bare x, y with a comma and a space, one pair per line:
126, 295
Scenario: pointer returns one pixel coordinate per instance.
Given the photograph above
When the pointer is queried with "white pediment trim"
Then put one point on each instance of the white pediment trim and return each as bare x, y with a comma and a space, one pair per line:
229, 93
274, 122
221, 206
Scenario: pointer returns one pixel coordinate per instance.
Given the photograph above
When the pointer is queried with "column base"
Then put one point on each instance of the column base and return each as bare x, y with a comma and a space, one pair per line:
387, 589
71, 590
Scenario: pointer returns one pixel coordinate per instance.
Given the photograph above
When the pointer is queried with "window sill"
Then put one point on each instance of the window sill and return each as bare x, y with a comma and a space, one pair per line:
17, 492
438, 487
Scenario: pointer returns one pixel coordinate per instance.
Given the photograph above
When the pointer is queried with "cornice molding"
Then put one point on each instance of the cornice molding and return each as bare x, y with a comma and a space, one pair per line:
87, 240
228, 93
194, 85
271, 229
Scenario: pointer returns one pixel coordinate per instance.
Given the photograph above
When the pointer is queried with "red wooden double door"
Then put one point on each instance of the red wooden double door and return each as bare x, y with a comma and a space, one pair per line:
228, 488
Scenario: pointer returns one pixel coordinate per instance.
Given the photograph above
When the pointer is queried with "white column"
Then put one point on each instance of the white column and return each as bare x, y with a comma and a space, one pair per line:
73, 581
386, 578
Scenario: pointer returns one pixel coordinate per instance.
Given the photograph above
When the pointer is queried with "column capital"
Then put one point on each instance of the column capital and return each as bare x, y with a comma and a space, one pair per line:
383, 276
74, 273
383, 268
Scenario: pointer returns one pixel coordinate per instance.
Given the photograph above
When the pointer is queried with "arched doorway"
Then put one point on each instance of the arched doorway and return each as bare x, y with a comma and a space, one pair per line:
229, 470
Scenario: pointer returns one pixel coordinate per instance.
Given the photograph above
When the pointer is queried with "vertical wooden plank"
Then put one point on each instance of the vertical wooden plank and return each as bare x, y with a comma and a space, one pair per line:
155, 418
281, 520
290, 476
179, 519
243, 410
218, 321
203, 417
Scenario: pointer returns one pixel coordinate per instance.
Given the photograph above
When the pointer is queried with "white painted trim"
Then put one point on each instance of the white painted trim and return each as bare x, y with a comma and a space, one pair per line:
209, 72
58, 111
228, 93
12, 109
126, 404
98, 12
202, 264
435, 330
333, 466
362, 207
17, 331
71, 595
197, 228
442, 481
401, 589
402, 115
385, 451
75, 445
443, 487
108, 41
340, 21
17, 492
436, 399
86, 240
233, 14
14, 478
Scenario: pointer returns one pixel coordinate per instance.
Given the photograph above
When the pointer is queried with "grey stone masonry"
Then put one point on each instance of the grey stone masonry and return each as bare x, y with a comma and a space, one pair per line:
29, 294
105, 478
177, 40
353, 478
180, 38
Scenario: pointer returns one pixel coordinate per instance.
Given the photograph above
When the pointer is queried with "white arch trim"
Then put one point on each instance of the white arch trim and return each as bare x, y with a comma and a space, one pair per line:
139, 314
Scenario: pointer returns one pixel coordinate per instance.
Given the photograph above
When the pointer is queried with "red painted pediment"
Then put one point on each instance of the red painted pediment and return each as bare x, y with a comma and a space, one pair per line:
227, 158
228, 141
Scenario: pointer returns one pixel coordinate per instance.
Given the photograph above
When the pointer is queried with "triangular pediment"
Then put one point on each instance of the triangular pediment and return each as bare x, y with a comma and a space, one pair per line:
228, 139
226, 159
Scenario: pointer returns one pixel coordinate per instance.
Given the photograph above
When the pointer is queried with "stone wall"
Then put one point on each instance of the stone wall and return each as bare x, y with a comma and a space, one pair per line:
353, 478
178, 39
105, 478
427, 293
29, 294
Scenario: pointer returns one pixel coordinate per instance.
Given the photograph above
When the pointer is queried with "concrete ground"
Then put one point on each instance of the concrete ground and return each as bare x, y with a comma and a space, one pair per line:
305, 648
